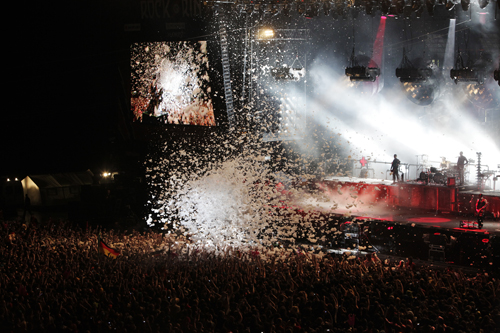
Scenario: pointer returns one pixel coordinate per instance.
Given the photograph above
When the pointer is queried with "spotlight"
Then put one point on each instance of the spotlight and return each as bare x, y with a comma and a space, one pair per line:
478, 94
496, 76
466, 75
413, 74
362, 73
357, 73
265, 33
463, 73
409, 73
419, 84
421, 93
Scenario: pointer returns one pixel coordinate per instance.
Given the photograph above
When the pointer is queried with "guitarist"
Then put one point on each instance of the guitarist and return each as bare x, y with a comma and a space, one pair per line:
481, 204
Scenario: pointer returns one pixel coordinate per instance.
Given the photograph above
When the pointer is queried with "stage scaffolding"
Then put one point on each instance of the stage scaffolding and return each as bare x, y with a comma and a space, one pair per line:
277, 101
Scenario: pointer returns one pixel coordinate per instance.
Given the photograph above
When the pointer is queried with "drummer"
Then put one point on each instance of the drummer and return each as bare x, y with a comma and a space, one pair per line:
444, 163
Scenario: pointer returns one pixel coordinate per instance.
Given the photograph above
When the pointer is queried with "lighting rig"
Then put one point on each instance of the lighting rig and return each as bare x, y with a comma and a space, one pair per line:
409, 73
357, 73
393, 8
335, 9
462, 73
292, 73
339, 8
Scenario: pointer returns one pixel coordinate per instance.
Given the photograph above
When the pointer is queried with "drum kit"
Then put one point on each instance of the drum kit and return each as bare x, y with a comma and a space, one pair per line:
438, 176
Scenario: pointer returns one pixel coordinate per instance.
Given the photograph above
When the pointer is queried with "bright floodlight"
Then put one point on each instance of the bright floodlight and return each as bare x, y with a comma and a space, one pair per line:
266, 33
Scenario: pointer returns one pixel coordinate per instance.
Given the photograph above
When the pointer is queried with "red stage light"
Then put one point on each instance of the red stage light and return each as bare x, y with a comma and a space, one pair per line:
390, 228
485, 240
429, 220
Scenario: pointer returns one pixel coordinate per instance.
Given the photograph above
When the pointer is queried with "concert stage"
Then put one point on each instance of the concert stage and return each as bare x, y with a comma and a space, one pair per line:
426, 222
414, 202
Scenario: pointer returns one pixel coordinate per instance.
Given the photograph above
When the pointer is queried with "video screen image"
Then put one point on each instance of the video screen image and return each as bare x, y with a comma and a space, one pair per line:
170, 81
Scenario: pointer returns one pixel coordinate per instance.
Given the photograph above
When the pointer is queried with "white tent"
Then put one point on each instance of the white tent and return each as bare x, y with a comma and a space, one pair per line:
54, 189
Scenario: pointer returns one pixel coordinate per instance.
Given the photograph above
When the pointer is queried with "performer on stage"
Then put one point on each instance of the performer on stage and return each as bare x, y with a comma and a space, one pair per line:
395, 169
462, 161
481, 204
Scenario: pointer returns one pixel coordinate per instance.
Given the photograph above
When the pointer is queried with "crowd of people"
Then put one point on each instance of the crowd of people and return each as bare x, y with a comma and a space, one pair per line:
53, 279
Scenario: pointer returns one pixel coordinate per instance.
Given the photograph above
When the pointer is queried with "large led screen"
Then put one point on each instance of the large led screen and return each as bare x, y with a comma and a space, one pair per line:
170, 81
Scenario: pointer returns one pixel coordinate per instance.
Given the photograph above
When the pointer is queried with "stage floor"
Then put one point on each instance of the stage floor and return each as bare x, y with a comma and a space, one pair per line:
410, 202
468, 188
409, 219
433, 220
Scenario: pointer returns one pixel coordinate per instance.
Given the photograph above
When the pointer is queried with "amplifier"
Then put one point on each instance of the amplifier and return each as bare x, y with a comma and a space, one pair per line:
451, 181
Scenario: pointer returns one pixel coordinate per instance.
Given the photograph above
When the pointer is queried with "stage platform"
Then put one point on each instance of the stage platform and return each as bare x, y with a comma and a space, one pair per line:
438, 219
414, 202
425, 221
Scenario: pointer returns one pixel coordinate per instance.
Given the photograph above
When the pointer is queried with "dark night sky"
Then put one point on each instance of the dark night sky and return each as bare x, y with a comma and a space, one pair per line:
65, 90
68, 90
